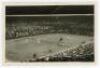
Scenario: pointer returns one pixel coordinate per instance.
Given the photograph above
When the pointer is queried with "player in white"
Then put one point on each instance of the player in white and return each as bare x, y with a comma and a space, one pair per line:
61, 42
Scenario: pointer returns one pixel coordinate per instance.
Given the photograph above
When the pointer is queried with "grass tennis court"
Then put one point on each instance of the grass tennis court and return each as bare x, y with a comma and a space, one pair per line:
23, 49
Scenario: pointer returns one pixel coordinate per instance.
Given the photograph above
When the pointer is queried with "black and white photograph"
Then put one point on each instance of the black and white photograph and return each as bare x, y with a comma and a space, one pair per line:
49, 33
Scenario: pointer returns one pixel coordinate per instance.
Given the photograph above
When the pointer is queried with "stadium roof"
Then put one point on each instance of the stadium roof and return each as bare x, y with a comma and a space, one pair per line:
49, 9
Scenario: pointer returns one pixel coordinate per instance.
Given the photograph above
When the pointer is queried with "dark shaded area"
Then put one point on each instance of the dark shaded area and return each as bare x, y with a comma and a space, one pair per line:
53, 9
86, 58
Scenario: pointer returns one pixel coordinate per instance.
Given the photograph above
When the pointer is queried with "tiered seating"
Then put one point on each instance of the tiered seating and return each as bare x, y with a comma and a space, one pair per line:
84, 52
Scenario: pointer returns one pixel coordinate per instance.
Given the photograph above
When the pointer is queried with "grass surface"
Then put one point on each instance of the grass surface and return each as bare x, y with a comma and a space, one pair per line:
22, 49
